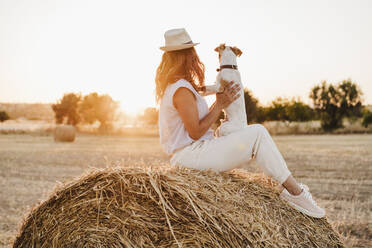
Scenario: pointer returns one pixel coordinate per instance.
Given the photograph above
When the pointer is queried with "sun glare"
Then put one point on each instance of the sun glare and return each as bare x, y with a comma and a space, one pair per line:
130, 109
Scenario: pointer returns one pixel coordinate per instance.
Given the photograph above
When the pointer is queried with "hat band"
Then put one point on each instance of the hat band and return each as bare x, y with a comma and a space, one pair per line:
184, 43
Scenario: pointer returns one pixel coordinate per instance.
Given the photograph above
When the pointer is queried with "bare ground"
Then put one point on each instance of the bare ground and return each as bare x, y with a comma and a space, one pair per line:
337, 168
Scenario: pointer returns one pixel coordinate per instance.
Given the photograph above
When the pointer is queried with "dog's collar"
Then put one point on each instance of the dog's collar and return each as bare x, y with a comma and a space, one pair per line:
235, 67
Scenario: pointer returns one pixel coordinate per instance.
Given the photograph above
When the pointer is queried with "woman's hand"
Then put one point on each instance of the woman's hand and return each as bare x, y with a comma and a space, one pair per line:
230, 94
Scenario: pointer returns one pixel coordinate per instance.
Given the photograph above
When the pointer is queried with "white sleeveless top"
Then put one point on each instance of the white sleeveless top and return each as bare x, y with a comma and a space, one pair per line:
173, 134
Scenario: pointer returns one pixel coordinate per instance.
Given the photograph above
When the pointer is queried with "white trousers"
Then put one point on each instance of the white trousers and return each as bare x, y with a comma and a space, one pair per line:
231, 151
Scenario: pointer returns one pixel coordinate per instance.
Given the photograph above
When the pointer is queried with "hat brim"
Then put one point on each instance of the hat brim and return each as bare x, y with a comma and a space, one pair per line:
179, 47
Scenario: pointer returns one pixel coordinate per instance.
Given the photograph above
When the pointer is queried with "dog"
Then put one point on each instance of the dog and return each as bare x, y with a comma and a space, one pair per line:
236, 117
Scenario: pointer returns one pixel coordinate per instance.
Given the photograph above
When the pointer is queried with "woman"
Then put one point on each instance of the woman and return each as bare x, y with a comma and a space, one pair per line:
185, 124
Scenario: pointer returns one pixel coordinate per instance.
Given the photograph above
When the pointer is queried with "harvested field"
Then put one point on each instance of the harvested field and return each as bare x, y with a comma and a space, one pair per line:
337, 168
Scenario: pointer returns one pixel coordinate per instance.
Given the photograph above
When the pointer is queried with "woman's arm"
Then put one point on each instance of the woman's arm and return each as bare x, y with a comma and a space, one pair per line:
185, 103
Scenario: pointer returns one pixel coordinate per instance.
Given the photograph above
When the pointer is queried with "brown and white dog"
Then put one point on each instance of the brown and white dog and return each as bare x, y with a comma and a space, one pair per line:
236, 117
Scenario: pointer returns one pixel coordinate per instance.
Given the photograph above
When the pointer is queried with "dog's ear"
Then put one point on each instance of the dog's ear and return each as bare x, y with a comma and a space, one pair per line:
237, 51
220, 48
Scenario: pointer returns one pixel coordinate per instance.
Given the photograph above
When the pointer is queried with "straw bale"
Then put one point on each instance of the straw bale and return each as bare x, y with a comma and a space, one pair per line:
170, 207
64, 133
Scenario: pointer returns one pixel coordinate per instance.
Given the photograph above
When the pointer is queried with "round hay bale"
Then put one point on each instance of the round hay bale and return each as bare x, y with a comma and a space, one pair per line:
171, 207
64, 133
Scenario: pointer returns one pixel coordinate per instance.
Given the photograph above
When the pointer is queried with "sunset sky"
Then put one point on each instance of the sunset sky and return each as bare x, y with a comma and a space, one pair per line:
48, 47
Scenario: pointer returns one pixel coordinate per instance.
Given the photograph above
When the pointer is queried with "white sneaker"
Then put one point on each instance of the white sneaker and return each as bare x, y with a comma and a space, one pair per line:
303, 202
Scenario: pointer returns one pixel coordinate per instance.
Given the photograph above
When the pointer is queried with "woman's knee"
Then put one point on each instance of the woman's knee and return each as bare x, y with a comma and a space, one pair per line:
251, 132
259, 128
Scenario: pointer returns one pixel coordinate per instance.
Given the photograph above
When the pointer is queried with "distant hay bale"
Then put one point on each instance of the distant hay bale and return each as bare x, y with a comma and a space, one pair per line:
64, 133
171, 207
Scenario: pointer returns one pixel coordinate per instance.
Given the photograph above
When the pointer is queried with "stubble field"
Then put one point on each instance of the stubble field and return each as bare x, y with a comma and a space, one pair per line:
337, 168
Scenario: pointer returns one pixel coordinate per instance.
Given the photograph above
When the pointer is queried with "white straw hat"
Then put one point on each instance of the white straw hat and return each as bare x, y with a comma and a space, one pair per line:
177, 39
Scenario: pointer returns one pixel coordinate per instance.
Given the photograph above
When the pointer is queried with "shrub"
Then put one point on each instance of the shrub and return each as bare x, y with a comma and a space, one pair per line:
367, 119
284, 109
334, 102
3, 116
251, 106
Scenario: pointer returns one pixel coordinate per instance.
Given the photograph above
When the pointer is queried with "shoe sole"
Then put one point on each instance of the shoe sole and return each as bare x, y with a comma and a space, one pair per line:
305, 211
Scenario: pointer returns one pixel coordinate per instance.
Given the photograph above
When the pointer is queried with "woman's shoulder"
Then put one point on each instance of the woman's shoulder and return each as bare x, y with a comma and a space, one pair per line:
187, 84
181, 82
173, 87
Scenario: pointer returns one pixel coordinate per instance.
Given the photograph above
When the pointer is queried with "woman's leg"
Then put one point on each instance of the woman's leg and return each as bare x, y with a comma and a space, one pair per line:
230, 151
292, 186
254, 141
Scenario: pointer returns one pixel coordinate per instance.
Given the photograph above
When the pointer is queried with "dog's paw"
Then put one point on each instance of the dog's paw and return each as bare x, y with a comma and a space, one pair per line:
223, 84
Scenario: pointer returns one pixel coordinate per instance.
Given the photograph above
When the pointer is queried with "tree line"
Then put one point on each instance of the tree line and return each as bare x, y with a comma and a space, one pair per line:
331, 104
74, 108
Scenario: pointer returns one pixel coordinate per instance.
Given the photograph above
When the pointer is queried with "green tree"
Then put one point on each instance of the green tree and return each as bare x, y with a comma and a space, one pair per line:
255, 112
251, 107
334, 102
3, 116
277, 110
101, 108
66, 109
367, 118
350, 101
296, 110
284, 109
261, 114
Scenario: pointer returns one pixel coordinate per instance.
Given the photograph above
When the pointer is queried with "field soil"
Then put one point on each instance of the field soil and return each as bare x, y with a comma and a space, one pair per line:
337, 168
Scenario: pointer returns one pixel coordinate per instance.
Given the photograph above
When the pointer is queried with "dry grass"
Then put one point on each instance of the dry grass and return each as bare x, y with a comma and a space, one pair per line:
23, 126
64, 133
170, 207
337, 169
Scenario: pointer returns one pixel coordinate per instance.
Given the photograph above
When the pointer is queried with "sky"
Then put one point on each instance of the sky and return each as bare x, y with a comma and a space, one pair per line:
52, 47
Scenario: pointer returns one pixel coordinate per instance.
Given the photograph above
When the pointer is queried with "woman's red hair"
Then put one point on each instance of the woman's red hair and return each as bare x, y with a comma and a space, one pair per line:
179, 64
